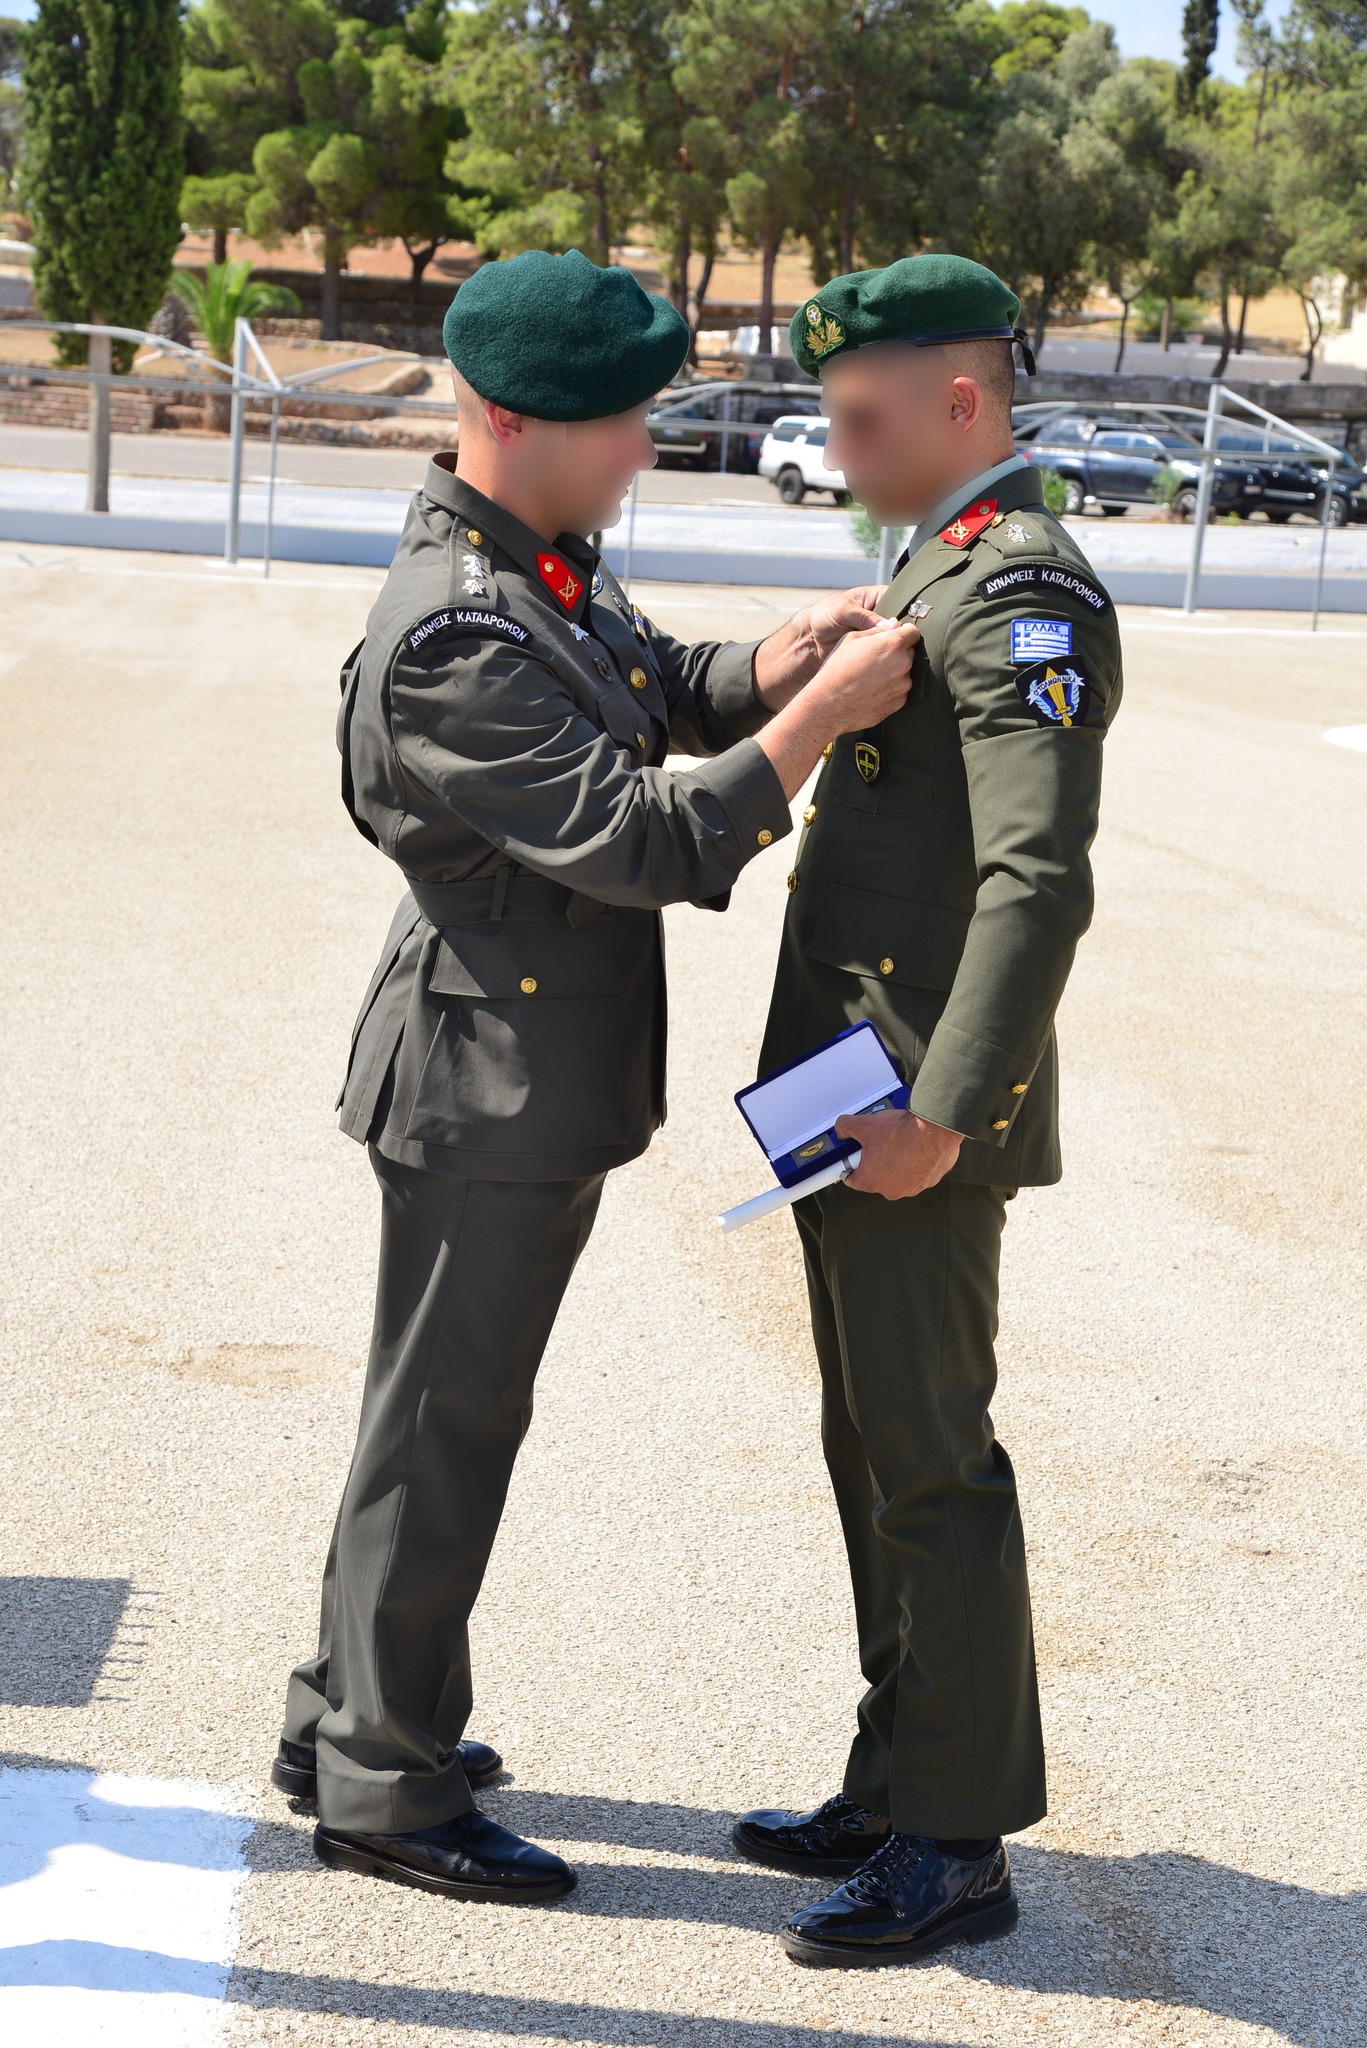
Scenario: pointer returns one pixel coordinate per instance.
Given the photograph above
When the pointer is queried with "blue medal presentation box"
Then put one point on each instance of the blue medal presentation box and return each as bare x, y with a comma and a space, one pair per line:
793, 1111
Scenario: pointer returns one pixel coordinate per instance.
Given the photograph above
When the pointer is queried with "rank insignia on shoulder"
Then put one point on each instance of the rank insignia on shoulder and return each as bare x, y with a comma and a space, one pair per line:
867, 760
969, 524
1055, 577
1057, 696
559, 578
1033, 639
1017, 533
464, 618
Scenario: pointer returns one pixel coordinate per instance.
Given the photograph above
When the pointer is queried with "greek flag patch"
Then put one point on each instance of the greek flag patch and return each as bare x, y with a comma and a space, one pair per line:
1038, 639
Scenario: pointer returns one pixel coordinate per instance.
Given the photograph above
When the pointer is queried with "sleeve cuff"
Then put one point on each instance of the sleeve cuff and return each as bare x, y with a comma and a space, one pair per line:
746, 785
969, 1086
731, 689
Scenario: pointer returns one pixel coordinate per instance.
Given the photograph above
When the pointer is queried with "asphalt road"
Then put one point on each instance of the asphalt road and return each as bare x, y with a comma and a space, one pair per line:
664, 1637
182, 455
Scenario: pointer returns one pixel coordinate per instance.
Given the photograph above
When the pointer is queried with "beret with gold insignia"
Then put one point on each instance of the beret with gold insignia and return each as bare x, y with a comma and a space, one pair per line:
923, 300
561, 338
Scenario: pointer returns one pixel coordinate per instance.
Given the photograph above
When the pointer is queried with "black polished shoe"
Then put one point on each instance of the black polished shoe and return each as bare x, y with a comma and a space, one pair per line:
470, 1857
909, 1899
295, 1769
834, 1838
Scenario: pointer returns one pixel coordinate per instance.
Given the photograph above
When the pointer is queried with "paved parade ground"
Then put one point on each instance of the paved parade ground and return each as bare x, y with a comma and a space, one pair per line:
664, 1637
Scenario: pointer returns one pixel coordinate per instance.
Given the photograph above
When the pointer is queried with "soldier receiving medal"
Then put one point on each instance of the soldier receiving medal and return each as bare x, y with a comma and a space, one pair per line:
939, 890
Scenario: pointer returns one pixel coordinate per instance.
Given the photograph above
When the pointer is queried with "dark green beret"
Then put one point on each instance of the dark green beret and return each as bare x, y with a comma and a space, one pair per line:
561, 338
919, 299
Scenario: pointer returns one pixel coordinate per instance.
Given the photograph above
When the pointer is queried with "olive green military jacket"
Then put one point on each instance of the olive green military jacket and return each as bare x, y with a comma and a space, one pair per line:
503, 729
942, 880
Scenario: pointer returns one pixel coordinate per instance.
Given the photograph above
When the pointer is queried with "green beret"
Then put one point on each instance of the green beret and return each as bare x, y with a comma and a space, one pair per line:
919, 299
561, 338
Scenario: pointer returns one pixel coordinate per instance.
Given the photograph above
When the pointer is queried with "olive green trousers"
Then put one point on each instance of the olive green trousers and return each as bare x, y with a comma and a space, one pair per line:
472, 1273
904, 1313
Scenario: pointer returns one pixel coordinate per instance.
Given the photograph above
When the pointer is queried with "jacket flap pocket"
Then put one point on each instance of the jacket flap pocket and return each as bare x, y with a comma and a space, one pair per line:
529, 956
920, 944
622, 714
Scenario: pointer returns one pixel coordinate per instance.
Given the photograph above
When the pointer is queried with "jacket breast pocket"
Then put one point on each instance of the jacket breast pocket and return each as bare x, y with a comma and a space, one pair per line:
888, 938
523, 1053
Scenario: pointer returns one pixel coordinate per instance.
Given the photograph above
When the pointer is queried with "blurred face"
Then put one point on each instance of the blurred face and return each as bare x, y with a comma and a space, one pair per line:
905, 428
585, 467
557, 476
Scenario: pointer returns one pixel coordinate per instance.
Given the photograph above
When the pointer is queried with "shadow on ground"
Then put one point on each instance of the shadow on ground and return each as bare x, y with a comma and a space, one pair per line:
1165, 1928
56, 1638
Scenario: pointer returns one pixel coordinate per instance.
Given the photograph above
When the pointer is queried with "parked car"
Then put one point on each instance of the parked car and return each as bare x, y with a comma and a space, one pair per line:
794, 455
692, 425
1111, 462
1294, 477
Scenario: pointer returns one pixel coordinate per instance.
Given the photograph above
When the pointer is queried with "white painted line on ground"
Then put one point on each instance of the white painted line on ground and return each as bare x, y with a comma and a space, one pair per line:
118, 1905
1354, 736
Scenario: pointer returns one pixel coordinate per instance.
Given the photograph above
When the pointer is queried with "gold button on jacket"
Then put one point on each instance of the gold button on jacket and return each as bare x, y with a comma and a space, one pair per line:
528, 984
475, 537
764, 838
809, 814
638, 679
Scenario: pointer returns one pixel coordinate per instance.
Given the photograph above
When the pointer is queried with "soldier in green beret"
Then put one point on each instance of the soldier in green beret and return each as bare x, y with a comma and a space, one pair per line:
940, 888
503, 730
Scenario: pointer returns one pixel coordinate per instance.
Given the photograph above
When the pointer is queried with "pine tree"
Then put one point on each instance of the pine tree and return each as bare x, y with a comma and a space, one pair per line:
1200, 34
102, 160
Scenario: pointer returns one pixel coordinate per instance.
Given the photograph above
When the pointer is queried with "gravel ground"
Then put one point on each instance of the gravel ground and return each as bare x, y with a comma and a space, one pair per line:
665, 1635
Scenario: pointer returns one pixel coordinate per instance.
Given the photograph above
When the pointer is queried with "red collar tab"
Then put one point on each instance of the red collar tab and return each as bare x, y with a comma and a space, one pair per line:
560, 578
970, 524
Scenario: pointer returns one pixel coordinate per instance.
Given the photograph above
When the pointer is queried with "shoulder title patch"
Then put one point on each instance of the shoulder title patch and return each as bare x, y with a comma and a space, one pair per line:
464, 618
1055, 577
1057, 696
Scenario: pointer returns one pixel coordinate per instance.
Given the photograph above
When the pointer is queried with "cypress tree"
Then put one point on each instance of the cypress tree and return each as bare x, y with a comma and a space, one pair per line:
103, 159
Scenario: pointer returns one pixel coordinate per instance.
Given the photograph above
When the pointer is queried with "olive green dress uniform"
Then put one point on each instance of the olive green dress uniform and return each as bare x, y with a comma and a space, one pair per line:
503, 729
941, 885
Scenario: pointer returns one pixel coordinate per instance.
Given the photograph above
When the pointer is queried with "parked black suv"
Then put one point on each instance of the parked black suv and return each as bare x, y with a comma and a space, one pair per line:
688, 425
1111, 462
1293, 477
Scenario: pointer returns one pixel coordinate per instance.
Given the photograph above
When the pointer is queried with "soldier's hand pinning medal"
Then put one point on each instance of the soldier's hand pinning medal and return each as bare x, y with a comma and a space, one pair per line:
868, 676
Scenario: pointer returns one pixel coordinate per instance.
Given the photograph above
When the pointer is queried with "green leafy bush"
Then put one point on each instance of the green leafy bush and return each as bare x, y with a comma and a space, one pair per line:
1164, 487
868, 533
1055, 491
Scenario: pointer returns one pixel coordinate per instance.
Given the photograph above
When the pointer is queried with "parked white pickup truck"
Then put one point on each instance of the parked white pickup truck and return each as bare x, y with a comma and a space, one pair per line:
793, 455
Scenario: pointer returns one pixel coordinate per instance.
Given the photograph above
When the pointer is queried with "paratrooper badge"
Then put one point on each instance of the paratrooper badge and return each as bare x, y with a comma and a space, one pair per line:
1057, 696
824, 331
867, 760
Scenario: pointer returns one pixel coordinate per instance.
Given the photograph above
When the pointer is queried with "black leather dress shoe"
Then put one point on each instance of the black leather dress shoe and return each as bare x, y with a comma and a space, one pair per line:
295, 1769
470, 1857
834, 1838
909, 1899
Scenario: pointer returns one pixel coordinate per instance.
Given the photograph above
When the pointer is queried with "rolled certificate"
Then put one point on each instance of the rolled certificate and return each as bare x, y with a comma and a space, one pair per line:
782, 1198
